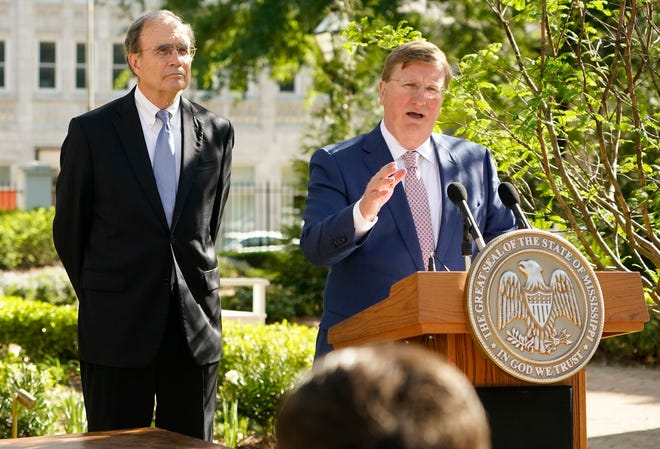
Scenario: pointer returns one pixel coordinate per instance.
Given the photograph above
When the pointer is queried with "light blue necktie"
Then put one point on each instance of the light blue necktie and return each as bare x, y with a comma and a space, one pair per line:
165, 165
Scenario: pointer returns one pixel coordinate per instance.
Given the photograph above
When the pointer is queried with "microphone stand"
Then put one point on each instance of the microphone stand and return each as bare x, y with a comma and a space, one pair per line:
466, 246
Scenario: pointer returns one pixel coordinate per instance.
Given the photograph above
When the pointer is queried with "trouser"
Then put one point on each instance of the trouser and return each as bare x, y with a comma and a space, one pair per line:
183, 393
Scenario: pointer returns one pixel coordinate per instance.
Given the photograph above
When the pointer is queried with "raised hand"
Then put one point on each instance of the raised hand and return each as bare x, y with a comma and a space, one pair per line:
379, 190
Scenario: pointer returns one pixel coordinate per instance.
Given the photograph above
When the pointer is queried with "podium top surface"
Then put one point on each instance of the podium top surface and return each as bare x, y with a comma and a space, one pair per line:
433, 303
146, 438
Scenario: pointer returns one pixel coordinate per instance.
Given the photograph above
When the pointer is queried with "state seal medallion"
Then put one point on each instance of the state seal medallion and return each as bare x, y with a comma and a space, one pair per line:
534, 306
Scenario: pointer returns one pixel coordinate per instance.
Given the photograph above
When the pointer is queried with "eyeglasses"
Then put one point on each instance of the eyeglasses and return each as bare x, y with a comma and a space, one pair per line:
165, 51
411, 87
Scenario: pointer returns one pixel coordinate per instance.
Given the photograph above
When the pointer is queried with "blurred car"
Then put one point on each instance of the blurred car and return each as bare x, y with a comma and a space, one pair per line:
255, 241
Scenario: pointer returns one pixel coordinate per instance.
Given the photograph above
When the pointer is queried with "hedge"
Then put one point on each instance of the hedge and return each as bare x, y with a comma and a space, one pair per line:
41, 330
26, 239
260, 363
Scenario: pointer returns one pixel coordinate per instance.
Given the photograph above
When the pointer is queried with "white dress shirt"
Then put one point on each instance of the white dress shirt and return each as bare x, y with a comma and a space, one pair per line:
430, 172
151, 126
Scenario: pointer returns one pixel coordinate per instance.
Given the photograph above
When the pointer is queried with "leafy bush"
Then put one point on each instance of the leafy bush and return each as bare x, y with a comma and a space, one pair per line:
31, 422
300, 284
296, 288
49, 284
260, 363
26, 242
40, 329
26, 239
636, 348
72, 412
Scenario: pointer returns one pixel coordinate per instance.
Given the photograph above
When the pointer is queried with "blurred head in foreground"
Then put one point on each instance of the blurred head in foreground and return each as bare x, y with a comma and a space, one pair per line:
390, 396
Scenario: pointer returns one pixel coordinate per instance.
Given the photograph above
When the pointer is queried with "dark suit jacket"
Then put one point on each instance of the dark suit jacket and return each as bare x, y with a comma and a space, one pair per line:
362, 271
112, 236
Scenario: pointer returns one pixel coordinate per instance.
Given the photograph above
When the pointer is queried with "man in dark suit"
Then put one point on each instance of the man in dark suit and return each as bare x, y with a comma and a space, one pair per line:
358, 219
145, 269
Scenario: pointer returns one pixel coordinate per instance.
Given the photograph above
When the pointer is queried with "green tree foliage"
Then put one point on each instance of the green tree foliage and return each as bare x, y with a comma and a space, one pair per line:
238, 39
564, 92
574, 121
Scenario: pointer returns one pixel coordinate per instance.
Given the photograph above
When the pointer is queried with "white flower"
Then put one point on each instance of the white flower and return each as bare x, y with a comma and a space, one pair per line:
15, 349
234, 377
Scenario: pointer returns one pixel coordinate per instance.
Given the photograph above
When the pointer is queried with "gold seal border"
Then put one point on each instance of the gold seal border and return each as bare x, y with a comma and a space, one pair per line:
581, 350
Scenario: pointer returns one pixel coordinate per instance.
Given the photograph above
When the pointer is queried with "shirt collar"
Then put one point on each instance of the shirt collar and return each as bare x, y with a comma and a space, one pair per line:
147, 110
425, 150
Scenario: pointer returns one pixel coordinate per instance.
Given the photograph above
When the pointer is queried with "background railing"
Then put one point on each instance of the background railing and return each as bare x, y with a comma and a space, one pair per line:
251, 207
261, 207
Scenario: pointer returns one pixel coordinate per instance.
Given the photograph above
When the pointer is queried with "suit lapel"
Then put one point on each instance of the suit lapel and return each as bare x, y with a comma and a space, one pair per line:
377, 154
130, 133
191, 132
451, 222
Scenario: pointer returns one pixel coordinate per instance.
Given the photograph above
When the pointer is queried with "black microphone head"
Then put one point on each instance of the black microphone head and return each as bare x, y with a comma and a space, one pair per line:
456, 192
508, 194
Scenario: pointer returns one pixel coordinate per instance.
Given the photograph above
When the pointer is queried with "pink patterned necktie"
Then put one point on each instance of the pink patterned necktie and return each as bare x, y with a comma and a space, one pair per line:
419, 205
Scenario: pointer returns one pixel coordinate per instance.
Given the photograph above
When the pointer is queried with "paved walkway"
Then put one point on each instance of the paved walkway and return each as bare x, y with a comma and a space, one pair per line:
623, 407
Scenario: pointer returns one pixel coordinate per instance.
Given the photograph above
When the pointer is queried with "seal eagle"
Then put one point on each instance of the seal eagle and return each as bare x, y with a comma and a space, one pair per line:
539, 305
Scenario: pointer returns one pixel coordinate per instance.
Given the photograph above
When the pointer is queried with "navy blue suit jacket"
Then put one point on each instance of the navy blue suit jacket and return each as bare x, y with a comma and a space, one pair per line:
363, 270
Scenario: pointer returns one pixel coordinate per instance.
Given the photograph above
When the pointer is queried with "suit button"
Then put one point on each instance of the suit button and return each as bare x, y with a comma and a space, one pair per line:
338, 241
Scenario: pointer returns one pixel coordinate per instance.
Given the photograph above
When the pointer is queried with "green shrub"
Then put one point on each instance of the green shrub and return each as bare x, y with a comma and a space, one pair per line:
259, 364
35, 421
40, 329
296, 286
636, 348
301, 286
49, 284
26, 239
72, 413
236, 267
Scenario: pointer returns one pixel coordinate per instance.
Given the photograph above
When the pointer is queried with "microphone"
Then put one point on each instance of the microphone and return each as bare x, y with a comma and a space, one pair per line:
509, 196
457, 194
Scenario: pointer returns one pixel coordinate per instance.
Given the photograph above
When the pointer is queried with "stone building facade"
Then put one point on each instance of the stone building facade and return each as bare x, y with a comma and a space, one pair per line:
45, 80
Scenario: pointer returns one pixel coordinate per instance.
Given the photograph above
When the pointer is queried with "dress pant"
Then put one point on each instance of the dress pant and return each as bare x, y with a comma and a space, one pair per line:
183, 393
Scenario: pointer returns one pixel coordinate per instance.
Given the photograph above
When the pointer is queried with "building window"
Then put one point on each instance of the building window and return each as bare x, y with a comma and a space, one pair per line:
120, 77
287, 86
81, 66
47, 65
2, 64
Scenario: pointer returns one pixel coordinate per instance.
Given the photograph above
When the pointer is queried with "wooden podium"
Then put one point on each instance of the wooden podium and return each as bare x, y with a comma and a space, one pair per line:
428, 308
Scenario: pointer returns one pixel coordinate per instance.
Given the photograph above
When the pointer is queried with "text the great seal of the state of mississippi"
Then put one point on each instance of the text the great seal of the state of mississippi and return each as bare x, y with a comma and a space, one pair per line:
534, 306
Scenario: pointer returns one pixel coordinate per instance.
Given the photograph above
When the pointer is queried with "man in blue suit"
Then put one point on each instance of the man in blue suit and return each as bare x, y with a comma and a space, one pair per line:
357, 218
